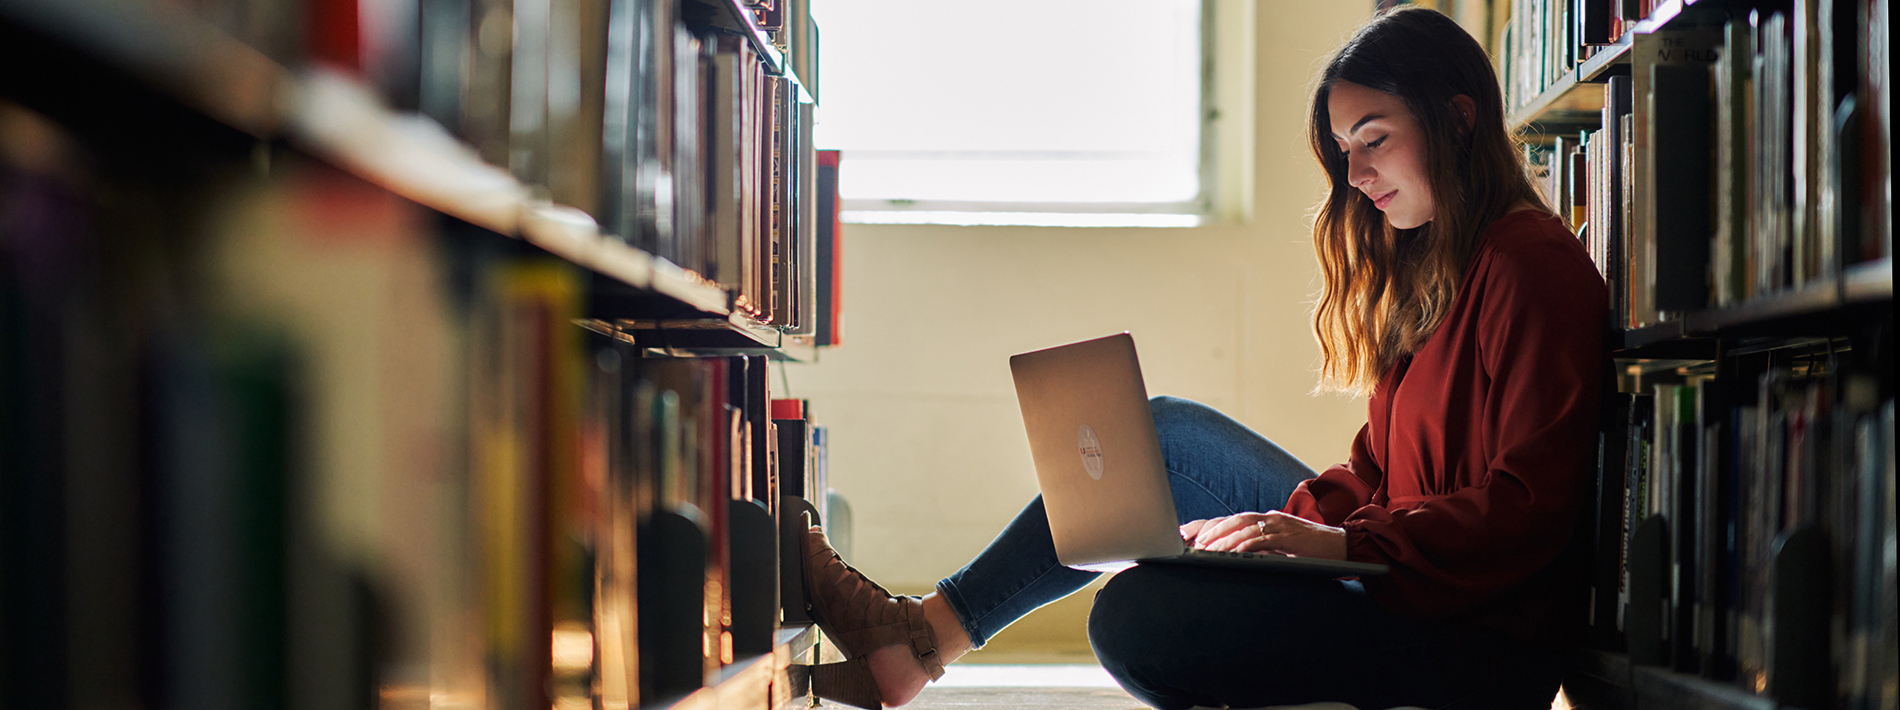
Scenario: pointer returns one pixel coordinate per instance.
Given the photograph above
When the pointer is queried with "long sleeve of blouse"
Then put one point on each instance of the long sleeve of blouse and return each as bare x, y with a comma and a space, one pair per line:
1471, 472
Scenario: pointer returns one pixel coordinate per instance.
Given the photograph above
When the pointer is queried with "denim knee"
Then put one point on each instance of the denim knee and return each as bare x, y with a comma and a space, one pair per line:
1168, 409
1123, 635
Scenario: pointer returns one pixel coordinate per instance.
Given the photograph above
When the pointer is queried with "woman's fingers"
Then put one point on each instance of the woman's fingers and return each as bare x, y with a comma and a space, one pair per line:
1227, 533
1272, 531
1271, 542
1217, 529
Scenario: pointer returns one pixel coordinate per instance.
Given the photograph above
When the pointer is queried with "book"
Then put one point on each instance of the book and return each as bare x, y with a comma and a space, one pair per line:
805, 217
726, 197
829, 253
1772, 167
1883, 618
1687, 47
1635, 504
1610, 203
1730, 255
577, 102
1708, 633
529, 140
1678, 249
1607, 541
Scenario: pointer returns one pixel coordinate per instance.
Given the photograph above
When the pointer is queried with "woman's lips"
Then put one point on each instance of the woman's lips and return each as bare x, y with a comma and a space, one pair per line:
1385, 200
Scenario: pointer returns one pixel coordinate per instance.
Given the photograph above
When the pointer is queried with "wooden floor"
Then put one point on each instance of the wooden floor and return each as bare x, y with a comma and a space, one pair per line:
1032, 687
1046, 687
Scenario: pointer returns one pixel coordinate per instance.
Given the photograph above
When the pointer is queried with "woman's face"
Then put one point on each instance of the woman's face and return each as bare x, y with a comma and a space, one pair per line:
1385, 151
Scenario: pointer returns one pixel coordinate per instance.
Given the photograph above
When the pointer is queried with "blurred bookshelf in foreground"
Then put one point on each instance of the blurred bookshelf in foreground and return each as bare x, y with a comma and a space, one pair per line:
406, 354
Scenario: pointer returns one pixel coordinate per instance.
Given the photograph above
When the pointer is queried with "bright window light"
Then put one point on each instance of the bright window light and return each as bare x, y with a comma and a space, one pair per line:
996, 107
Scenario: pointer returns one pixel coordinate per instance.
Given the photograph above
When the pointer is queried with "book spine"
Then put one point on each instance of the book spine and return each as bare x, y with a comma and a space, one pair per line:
828, 253
1682, 186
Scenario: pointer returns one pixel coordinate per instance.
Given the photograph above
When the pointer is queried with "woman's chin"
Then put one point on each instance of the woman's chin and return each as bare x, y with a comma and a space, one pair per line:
1405, 221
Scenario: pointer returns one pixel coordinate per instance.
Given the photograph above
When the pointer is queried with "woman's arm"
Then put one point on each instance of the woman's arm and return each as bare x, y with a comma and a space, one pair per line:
1309, 525
1341, 489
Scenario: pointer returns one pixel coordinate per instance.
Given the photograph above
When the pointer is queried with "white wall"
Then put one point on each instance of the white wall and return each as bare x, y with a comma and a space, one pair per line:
927, 440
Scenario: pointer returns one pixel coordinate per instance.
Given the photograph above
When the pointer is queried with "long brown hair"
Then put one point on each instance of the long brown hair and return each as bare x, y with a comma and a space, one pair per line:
1387, 289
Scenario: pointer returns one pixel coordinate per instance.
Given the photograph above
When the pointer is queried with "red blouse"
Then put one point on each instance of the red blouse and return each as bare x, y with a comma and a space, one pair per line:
1475, 465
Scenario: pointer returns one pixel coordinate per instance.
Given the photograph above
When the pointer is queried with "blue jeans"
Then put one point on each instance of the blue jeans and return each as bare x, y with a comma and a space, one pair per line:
1177, 636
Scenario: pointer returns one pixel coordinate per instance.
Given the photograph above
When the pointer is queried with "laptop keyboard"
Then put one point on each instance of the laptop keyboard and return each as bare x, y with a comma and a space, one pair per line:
1228, 553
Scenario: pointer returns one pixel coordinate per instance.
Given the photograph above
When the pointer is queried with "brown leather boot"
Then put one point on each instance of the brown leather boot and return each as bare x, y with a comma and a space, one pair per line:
860, 617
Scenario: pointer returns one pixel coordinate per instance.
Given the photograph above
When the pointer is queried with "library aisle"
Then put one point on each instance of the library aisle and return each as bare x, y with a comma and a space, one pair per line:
434, 353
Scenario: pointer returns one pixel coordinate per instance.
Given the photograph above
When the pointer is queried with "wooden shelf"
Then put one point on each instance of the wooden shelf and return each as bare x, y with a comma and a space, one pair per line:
340, 119
1600, 679
762, 681
1572, 103
1666, 688
1575, 100
732, 16
1811, 299
1868, 281
1646, 336
1664, 12
1860, 285
735, 334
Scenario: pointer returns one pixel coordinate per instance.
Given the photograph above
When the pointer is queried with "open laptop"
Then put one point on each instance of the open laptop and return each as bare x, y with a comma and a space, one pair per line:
1098, 462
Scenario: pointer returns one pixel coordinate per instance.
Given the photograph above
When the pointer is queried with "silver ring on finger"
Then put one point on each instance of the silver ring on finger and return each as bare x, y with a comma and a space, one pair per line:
1261, 525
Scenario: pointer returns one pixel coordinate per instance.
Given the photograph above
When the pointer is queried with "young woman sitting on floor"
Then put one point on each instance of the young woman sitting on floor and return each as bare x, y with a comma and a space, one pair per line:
1473, 319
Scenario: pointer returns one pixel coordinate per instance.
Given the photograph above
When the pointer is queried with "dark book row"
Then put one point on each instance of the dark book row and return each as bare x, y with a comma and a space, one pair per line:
678, 125
1745, 529
288, 440
1738, 160
660, 120
1544, 40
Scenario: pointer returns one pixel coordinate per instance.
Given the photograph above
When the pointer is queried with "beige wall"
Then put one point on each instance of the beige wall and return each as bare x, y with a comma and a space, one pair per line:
927, 441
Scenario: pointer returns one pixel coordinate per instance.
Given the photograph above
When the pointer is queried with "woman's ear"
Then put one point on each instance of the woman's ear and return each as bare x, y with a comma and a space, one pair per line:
1466, 110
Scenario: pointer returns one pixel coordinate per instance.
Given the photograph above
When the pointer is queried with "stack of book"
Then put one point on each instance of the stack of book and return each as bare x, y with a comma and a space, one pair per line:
1736, 162
1771, 501
683, 127
1561, 171
1545, 39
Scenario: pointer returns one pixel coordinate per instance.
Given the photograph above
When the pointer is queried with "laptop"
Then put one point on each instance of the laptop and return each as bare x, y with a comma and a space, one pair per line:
1098, 463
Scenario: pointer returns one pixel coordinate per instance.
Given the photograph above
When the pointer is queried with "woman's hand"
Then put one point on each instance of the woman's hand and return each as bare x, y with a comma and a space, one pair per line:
1272, 531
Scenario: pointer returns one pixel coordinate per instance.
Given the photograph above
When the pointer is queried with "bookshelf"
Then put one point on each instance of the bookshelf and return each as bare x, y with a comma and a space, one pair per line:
321, 402
1745, 471
1568, 103
341, 120
1862, 286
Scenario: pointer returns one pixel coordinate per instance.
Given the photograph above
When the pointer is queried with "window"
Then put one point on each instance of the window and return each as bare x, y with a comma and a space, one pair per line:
1048, 112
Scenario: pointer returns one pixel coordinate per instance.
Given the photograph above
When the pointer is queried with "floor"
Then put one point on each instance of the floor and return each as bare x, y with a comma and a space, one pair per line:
1032, 687
1046, 686
1038, 687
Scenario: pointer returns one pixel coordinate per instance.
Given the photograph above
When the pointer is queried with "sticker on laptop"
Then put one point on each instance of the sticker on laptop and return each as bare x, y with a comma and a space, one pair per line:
1091, 449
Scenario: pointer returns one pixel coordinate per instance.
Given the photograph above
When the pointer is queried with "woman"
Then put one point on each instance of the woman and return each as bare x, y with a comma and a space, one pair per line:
1472, 318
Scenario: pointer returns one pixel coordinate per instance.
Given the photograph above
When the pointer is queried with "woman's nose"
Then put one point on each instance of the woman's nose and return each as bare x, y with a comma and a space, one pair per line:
1358, 173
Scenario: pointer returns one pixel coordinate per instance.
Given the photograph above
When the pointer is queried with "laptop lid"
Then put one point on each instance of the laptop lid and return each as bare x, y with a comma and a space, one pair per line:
1098, 458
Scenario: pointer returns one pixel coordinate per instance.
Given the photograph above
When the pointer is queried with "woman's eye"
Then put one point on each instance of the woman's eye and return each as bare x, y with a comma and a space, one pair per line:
1377, 143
